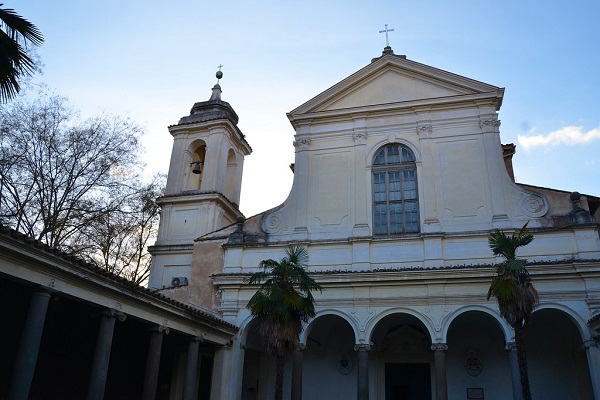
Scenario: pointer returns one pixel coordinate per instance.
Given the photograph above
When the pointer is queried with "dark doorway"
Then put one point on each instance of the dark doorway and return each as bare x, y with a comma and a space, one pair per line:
407, 381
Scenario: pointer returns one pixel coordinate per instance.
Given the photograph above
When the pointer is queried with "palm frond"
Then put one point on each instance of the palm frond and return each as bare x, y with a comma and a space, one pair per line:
14, 24
517, 264
15, 33
284, 299
511, 286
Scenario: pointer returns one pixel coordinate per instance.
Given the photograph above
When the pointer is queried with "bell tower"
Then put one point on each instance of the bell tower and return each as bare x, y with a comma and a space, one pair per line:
203, 185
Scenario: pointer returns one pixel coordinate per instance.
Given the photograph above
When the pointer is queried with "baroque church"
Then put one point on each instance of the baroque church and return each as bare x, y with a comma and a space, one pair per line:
399, 178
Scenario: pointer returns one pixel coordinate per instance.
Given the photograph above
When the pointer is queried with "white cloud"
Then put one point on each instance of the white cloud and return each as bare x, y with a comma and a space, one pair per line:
569, 135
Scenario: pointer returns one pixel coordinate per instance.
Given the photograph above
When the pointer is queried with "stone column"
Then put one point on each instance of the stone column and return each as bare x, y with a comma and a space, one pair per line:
515, 377
441, 386
102, 354
29, 346
191, 369
363, 370
153, 362
297, 373
593, 356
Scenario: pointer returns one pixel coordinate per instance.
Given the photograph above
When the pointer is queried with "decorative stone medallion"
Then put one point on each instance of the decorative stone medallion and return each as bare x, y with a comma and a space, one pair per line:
273, 222
534, 205
472, 363
344, 363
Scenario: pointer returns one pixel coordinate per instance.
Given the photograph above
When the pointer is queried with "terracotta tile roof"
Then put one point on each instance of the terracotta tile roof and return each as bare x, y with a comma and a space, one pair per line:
101, 272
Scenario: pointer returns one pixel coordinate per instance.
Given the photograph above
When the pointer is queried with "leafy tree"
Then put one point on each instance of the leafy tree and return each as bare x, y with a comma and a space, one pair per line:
74, 184
282, 303
512, 288
15, 63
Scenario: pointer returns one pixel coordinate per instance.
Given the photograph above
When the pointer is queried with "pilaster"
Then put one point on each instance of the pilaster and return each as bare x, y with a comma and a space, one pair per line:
427, 178
361, 208
301, 180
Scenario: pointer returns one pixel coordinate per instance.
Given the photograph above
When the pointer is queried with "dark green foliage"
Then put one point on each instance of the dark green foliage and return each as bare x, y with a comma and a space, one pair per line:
282, 303
15, 33
512, 288
517, 298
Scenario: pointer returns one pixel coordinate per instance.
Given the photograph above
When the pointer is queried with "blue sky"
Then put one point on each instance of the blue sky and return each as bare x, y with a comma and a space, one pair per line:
152, 60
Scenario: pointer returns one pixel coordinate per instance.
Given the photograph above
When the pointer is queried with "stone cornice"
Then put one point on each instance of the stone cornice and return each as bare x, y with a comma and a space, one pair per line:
412, 107
540, 271
198, 196
188, 128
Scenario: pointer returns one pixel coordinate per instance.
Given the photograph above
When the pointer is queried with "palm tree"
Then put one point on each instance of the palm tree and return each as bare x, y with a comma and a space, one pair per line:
15, 33
511, 286
282, 303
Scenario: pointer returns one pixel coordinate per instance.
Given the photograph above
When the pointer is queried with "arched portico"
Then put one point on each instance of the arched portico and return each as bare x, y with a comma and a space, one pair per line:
327, 360
328, 313
557, 358
330, 364
477, 359
401, 361
493, 313
258, 379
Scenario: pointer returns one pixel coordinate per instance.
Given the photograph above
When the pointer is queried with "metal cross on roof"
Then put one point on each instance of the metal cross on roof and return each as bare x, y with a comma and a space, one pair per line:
386, 30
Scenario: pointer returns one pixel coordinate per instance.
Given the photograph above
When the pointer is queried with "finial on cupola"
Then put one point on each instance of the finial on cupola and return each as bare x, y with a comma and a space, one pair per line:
219, 73
216, 90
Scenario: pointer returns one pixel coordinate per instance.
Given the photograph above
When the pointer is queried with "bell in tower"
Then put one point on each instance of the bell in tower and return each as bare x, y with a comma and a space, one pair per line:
203, 184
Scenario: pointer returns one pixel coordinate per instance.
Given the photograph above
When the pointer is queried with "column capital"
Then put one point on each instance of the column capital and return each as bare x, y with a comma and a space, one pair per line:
229, 345
360, 136
439, 346
197, 338
363, 346
590, 343
489, 125
510, 346
112, 313
424, 130
302, 143
160, 329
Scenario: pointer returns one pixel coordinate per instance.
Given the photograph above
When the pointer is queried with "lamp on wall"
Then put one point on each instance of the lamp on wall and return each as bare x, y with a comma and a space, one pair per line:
197, 169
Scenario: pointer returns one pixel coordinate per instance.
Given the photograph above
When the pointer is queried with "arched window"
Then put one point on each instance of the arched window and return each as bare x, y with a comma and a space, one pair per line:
395, 199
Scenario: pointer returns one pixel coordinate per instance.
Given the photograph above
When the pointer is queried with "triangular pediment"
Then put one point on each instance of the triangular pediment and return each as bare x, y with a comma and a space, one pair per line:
394, 80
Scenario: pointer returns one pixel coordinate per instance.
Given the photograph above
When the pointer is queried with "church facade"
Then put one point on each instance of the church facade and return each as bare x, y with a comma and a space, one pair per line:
399, 178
